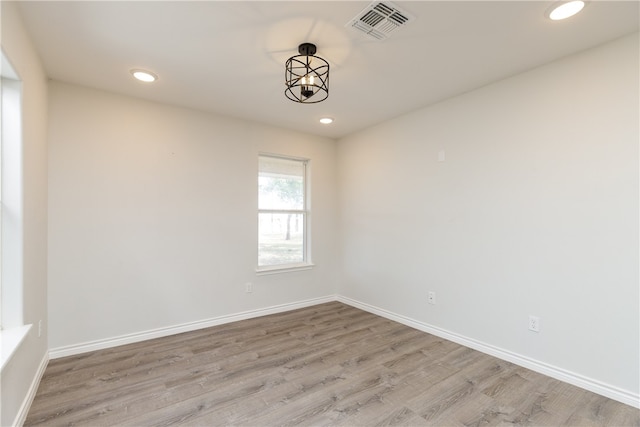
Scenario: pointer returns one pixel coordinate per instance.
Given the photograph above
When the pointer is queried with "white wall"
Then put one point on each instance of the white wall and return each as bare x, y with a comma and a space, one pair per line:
533, 211
18, 376
153, 216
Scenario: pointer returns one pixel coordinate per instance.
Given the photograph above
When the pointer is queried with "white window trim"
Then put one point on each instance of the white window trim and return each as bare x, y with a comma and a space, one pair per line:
13, 331
307, 264
10, 340
283, 268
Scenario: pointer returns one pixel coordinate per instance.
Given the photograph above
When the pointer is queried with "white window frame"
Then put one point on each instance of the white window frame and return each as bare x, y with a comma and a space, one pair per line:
306, 264
13, 331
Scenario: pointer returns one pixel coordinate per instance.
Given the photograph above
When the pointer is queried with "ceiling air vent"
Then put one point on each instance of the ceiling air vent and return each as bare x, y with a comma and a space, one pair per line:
380, 19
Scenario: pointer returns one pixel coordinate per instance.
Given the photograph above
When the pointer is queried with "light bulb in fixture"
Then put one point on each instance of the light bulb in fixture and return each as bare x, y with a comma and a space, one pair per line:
566, 10
144, 76
326, 120
306, 89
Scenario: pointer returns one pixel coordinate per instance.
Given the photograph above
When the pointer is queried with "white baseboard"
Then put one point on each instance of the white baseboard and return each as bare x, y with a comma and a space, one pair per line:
21, 416
578, 380
74, 349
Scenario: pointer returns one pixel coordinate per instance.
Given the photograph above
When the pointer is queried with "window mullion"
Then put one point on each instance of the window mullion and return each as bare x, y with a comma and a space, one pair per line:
283, 211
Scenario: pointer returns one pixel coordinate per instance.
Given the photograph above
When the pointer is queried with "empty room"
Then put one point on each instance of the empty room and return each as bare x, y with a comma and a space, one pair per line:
344, 213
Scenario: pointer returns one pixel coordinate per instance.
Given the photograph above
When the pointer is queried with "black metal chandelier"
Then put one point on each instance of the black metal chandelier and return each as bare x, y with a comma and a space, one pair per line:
306, 76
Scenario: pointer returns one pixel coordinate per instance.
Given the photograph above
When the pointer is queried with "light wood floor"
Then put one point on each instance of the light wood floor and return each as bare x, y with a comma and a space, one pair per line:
330, 364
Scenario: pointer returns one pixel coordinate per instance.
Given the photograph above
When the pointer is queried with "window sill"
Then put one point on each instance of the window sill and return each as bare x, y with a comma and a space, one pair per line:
277, 269
10, 340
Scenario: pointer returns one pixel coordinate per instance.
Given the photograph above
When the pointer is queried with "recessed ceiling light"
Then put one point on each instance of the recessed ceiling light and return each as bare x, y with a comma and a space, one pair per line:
326, 120
564, 10
144, 76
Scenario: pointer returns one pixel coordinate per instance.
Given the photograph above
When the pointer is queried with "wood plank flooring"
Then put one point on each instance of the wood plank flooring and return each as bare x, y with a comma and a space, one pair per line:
329, 364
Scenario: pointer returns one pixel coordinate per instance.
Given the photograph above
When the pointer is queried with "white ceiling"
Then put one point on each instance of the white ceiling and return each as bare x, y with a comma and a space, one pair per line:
228, 57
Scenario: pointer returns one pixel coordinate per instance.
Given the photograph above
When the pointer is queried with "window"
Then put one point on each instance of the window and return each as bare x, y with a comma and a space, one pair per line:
283, 214
11, 197
13, 331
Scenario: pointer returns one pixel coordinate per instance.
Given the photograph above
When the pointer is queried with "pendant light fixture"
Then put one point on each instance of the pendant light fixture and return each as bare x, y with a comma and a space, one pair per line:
306, 76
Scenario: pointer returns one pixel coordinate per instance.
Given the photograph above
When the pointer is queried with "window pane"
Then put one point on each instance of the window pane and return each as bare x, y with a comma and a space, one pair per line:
280, 239
281, 184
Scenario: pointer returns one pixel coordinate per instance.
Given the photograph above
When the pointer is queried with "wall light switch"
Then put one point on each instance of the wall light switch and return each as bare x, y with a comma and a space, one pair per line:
441, 155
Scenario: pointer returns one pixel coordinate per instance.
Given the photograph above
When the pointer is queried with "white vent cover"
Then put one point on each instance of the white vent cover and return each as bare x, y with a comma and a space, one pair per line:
380, 19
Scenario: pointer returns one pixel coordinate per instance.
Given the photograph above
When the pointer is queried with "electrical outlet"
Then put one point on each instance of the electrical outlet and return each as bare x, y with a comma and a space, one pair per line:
431, 297
534, 323
248, 287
